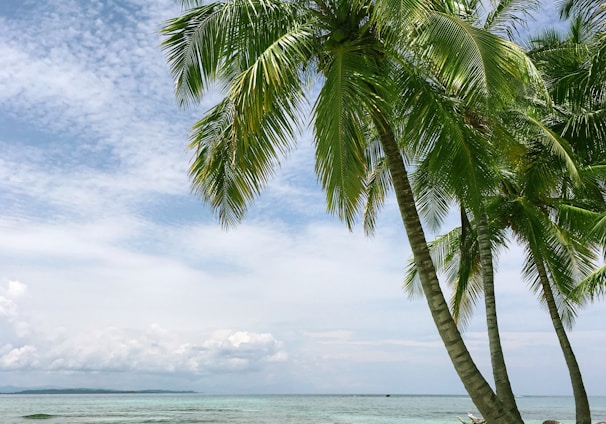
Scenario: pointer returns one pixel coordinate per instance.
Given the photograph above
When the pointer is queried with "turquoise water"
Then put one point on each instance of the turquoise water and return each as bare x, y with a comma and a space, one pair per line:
197, 408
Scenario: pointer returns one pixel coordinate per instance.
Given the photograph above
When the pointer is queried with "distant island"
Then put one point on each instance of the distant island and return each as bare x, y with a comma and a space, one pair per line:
94, 392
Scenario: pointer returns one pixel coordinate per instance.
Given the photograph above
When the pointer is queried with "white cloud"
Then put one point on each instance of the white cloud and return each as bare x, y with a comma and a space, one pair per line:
7, 307
18, 358
154, 350
10, 292
16, 289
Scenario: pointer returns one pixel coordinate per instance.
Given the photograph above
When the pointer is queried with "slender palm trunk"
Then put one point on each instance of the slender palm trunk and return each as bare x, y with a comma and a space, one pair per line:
583, 413
499, 369
477, 387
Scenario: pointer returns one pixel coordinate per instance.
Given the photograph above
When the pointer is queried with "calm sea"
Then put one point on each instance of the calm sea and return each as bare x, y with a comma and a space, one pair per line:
290, 409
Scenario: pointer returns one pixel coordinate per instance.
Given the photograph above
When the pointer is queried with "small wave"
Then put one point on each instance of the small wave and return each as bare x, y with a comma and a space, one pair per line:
38, 416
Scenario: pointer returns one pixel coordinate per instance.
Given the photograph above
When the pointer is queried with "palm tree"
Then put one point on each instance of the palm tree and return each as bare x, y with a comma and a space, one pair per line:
472, 175
556, 259
506, 16
575, 67
370, 67
555, 217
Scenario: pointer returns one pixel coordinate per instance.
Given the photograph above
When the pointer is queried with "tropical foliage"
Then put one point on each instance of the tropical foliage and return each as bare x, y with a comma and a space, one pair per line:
386, 88
552, 205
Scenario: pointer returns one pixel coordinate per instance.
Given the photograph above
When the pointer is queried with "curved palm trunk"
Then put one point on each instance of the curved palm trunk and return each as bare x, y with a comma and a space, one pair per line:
583, 413
477, 387
499, 369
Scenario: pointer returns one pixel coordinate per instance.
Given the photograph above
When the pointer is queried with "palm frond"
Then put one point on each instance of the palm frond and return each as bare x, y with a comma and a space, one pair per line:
578, 220
458, 261
475, 64
216, 41
573, 67
448, 142
564, 257
341, 118
239, 142
216, 171
566, 307
270, 89
569, 259
598, 231
195, 47
556, 145
443, 250
509, 16
378, 183
587, 131
591, 10
548, 38
434, 201
464, 275
410, 13
412, 282
593, 286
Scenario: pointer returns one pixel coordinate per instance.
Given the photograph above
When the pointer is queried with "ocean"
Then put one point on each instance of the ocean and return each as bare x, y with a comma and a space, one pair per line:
274, 409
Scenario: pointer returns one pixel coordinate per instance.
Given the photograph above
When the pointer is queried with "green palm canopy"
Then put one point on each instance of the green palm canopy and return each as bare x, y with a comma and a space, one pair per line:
379, 78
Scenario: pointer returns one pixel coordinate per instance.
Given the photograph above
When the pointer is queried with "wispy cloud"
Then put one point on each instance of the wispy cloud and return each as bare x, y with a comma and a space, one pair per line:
97, 88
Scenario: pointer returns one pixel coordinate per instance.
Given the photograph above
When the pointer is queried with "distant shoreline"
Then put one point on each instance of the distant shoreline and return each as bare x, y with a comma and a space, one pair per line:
94, 392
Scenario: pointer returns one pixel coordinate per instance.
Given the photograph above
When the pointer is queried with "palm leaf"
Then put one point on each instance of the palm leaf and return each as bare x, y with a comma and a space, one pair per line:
214, 42
217, 176
341, 120
509, 16
410, 13
434, 200
449, 144
592, 286
195, 46
464, 275
475, 64
591, 10
456, 257
241, 140
598, 231
378, 183
565, 258
442, 249
556, 145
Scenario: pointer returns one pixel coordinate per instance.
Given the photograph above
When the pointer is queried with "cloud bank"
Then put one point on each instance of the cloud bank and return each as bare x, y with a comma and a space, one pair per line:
153, 350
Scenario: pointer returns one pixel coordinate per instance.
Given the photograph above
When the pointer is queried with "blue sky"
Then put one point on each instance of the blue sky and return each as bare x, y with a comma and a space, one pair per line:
112, 274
